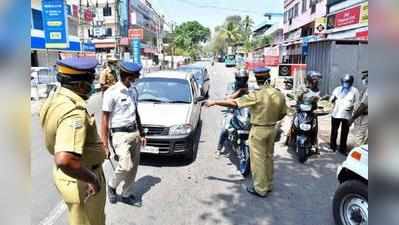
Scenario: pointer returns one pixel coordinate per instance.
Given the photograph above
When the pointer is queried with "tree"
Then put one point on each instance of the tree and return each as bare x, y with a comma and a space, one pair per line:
247, 25
231, 32
188, 35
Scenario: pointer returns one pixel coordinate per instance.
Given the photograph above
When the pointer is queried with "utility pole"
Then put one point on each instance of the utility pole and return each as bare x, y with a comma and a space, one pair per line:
173, 46
117, 29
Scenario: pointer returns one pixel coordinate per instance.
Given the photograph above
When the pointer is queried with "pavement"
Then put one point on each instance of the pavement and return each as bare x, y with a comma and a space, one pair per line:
209, 190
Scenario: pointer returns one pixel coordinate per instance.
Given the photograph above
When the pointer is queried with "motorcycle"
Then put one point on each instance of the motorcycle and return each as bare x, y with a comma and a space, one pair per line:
238, 135
304, 133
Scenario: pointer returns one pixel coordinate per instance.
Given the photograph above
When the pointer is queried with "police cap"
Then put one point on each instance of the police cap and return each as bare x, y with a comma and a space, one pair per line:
130, 68
76, 69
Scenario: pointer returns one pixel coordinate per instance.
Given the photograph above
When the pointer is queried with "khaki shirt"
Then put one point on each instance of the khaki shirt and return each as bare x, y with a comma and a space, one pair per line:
107, 78
68, 127
267, 106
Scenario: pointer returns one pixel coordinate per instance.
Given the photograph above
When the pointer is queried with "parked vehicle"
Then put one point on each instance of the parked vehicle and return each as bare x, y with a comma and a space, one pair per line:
304, 134
230, 60
43, 80
170, 110
201, 76
238, 134
350, 202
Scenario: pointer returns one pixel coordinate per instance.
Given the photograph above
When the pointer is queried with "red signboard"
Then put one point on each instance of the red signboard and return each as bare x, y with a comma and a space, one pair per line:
362, 35
75, 10
88, 15
347, 17
136, 33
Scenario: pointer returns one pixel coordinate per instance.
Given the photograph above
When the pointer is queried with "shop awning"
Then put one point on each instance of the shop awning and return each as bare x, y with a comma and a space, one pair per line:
105, 45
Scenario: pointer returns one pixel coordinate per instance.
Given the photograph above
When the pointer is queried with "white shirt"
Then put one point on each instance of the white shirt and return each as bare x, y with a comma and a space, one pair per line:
345, 103
121, 102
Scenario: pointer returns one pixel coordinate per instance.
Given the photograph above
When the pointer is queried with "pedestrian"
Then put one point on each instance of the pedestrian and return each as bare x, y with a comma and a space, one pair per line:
71, 137
267, 106
360, 116
121, 125
344, 98
240, 88
107, 78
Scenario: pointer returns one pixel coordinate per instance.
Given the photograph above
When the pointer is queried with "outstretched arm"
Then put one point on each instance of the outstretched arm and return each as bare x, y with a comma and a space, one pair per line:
229, 103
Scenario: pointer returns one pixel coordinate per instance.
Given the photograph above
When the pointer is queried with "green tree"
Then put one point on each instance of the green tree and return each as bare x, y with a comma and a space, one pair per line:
189, 35
247, 24
231, 32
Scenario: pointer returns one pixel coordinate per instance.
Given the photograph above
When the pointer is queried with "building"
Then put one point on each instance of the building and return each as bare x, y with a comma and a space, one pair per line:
347, 19
79, 43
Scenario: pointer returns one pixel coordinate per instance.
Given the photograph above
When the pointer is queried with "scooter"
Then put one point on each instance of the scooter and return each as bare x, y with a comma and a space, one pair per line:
238, 135
304, 133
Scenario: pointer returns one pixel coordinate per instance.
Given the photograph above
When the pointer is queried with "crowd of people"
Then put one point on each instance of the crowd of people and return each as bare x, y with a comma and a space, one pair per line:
71, 135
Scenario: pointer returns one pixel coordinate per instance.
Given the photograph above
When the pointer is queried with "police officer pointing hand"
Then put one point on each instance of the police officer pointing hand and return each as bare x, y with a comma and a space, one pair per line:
267, 106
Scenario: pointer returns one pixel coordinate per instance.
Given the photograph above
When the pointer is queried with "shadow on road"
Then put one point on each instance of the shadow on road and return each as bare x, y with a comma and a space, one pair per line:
302, 195
172, 161
144, 185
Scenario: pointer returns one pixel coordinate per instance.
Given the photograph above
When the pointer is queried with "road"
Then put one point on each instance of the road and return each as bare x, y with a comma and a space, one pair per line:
208, 191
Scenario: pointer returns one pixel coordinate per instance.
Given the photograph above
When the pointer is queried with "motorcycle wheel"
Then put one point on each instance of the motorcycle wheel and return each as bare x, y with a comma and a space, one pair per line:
244, 161
302, 154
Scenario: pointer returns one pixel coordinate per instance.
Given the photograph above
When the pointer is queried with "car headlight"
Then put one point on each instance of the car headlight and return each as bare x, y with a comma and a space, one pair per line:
305, 127
182, 129
305, 107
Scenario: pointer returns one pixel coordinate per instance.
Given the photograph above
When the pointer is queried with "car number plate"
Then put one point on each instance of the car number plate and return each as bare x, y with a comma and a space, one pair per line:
150, 149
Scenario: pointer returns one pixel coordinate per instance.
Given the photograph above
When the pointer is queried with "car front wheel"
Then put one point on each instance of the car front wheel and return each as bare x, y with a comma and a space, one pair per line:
350, 204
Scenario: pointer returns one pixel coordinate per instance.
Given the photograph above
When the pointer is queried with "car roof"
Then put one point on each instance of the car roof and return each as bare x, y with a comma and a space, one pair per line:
169, 74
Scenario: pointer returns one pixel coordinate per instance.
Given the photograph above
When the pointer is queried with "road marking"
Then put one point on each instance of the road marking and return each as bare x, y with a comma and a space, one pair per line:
54, 214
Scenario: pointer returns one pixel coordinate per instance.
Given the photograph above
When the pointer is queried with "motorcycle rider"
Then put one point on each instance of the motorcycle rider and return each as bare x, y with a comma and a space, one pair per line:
311, 91
240, 88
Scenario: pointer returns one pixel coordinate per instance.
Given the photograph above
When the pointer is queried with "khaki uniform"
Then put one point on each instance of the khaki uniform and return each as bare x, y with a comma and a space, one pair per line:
68, 127
361, 125
107, 79
267, 106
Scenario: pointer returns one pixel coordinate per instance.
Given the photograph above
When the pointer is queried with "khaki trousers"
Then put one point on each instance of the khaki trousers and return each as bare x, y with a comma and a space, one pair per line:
73, 193
361, 133
127, 147
261, 144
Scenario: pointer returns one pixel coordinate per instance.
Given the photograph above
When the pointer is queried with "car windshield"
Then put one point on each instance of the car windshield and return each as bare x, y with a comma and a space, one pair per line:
196, 71
164, 90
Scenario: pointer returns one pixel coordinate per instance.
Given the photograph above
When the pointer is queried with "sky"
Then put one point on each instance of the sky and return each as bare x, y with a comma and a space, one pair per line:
212, 13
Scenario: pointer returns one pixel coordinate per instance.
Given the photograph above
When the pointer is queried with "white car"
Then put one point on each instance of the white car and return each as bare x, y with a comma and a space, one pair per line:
350, 203
170, 108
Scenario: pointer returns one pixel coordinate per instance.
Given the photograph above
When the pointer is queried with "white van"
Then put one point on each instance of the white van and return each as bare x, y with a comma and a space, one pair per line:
170, 110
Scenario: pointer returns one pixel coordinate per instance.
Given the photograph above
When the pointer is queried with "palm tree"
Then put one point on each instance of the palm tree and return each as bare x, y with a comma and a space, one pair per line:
247, 24
231, 33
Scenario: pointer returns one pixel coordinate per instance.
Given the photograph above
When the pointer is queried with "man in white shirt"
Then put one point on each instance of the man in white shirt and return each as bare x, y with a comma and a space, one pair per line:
344, 98
120, 116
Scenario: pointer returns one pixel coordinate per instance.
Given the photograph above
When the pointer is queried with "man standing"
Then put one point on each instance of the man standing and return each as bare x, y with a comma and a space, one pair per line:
267, 106
360, 116
120, 116
107, 79
344, 99
71, 136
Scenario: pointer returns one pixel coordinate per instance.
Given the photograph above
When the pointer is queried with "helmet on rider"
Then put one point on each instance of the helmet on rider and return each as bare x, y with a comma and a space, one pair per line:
347, 81
313, 78
262, 75
241, 79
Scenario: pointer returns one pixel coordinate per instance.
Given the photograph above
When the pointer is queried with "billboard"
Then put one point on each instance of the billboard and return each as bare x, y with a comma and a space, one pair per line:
123, 17
136, 43
55, 24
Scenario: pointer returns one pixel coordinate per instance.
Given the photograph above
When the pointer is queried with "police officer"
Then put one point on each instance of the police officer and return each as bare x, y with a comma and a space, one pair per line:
121, 119
360, 116
107, 78
267, 106
241, 88
71, 137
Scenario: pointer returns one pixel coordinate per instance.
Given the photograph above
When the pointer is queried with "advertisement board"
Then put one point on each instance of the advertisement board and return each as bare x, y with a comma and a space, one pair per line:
320, 25
136, 46
55, 24
347, 17
136, 33
364, 13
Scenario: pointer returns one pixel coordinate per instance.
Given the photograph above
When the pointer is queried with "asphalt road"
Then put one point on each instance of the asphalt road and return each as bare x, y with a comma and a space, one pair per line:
208, 191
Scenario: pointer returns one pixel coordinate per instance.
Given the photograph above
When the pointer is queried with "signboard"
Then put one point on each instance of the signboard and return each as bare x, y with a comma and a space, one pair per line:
89, 47
347, 17
320, 25
75, 10
88, 15
55, 24
362, 35
136, 46
136, 33
364, 13
98, 31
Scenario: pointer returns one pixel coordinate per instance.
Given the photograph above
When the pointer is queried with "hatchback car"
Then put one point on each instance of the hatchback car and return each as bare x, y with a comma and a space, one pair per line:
201, 76
170, 109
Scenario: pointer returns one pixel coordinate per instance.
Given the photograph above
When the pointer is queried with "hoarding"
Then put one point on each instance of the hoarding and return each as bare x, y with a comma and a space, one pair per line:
136, 46
136, 33
347, 17
55, 24
320, 25
364, 13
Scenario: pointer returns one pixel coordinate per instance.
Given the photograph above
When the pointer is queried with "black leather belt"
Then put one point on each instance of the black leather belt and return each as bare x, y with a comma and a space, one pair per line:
264, 125
95, 166
129, 129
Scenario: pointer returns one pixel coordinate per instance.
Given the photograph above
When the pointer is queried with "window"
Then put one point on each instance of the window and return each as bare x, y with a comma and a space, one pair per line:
312, 5
108, 32
285, 17
107, 11
296, 9
304, 5
37, 19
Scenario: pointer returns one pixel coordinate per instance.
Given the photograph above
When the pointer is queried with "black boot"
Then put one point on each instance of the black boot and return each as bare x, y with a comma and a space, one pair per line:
113, 198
